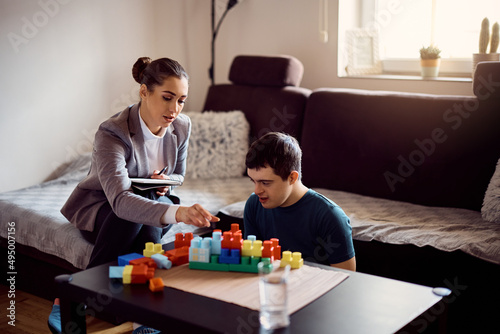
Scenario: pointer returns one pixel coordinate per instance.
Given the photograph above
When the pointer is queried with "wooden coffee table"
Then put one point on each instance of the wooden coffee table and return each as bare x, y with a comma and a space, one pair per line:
360, 304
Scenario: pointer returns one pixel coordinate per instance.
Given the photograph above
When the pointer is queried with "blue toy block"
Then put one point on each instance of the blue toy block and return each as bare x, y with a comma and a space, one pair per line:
116, 273
124, 260
216, 242
252, 238
162, 262
230, 256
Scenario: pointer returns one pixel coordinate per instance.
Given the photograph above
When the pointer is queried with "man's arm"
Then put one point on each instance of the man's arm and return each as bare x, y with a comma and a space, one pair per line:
348, 265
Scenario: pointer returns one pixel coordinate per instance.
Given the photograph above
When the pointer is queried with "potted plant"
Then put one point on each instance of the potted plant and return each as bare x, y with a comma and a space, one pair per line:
430, 59
484, 40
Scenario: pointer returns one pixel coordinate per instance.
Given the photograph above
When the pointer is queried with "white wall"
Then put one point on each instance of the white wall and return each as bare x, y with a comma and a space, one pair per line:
67, 68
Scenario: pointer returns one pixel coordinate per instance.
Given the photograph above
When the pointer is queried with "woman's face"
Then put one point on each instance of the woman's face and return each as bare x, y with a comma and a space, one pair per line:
161, 107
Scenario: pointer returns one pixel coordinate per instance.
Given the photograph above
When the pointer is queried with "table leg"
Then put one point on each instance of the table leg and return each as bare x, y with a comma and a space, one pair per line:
72, 313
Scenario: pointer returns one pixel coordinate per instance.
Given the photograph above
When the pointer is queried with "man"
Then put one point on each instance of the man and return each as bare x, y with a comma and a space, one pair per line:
284, 208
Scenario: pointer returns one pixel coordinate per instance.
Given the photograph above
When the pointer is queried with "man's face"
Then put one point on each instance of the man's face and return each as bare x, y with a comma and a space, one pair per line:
273, 192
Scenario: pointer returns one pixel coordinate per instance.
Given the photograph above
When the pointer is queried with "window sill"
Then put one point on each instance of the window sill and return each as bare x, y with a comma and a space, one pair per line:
409, 77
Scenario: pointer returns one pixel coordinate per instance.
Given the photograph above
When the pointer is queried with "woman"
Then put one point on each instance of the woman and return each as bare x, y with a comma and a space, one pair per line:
145, 140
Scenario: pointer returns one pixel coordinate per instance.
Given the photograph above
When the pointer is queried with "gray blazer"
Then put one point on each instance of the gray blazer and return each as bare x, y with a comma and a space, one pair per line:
119, 154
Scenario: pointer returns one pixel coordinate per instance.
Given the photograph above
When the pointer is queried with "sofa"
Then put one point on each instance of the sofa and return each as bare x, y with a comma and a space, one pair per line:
417, 174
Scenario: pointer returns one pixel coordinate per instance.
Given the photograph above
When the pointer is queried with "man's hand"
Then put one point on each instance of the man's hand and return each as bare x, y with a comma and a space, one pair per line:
195, 215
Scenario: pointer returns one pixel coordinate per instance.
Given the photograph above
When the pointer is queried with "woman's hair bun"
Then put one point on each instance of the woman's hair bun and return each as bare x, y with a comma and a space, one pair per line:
139, 67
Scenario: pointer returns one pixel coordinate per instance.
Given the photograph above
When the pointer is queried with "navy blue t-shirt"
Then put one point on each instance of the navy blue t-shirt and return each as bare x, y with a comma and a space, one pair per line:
314, 226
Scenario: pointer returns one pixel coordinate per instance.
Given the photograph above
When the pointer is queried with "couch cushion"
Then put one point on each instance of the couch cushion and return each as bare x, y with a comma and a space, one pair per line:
278, 71
218, 144
486, 85
491, 205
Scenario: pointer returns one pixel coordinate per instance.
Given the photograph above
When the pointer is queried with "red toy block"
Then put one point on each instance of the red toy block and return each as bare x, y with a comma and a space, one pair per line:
237, 241
277, 248
141, 274
235, 228
226, 241
156, 284
147, 261
178, 256
182, 240
268, 250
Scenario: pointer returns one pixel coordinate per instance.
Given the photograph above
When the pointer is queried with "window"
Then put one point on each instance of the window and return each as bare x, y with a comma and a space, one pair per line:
404, 26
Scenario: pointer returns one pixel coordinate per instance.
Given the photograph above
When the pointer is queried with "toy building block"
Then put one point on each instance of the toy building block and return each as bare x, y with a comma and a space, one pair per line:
252, 238
237, 240
235, 228
246, 248
162, 262
156, 284
182, 240
147, 261
230, 256
116, 273
200, 250
213, 265
124, 260
257, 248
268, 250
141, 274
293, 259
178, 256
247, 265
277, 248
226, 241
127, 274
216, 242
152, 248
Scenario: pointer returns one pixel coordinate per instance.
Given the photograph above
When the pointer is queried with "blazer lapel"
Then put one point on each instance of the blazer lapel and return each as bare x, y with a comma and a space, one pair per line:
137, 137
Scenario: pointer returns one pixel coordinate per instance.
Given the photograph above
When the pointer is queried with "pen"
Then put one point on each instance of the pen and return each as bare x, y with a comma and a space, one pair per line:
163, 170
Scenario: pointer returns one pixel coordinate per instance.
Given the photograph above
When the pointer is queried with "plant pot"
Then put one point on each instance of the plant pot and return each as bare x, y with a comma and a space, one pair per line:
430, 67
479, 57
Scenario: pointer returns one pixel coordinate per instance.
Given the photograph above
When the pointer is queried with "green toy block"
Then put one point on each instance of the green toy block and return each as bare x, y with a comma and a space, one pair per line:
209, 266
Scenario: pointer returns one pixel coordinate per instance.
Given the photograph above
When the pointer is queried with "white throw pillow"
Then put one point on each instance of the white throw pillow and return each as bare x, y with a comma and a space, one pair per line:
218, 144
491, 204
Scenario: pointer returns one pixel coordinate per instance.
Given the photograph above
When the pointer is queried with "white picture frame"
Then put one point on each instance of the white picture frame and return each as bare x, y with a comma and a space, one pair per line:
363, 52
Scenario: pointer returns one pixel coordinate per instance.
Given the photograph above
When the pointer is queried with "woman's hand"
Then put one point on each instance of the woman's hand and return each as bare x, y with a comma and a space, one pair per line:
195, 215
163, 190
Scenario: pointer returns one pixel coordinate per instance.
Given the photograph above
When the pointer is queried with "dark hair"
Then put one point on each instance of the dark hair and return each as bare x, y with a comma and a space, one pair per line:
152, 73
277, 150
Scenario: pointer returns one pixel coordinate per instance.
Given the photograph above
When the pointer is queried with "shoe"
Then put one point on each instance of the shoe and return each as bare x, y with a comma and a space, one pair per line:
54, 321
145, 330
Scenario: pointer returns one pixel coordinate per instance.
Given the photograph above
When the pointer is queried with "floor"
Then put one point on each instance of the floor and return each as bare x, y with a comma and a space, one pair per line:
32, 312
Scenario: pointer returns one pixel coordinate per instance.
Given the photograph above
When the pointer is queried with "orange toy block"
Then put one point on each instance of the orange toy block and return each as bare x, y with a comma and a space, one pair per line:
237, 240
277, 248
156, 284
227, 238
182, 240
268, 250
235, 228
147, 261
141, 274
178, 256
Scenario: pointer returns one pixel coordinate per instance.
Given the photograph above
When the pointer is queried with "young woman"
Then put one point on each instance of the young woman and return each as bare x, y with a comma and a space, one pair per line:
145, 140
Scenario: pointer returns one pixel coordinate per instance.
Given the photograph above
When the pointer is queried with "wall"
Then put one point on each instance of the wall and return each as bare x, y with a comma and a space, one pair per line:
65, 68
66, 65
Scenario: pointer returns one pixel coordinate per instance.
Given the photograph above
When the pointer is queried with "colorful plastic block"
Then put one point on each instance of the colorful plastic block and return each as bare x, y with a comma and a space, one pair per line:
230, 256
124, 260
116, 273
277, 248
162, 262
156, 284
152, 248
127, 274
268, 250
248, 265
246, 249
178, 256
147, 261
216, 242
257, 248
293, 259
182, 240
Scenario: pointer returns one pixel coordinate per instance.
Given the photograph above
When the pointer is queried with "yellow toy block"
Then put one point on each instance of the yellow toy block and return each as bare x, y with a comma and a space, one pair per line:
152, 248
293, 259
127, 274
257, 248
246, 249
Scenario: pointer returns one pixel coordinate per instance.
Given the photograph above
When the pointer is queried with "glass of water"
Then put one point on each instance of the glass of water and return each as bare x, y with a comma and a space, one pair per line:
273, 295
